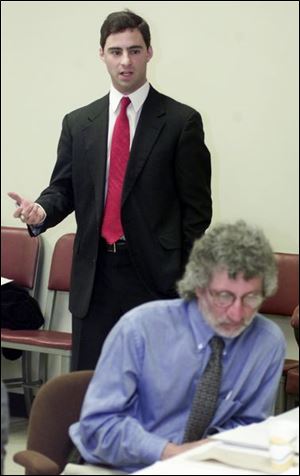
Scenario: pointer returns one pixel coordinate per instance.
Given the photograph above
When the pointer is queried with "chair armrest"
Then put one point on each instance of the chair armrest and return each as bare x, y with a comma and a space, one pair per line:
36, 463
295, 323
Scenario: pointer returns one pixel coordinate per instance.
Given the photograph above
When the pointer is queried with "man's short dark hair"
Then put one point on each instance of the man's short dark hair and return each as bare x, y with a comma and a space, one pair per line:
119, 21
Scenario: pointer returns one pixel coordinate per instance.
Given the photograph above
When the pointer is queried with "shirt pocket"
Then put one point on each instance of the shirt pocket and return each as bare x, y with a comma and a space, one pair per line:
226, 409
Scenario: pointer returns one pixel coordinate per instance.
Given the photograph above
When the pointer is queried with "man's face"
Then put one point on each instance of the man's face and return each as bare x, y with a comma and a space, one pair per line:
126, 56
229, 305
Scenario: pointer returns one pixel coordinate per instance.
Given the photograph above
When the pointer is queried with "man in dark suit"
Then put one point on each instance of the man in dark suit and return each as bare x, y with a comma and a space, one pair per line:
166, 196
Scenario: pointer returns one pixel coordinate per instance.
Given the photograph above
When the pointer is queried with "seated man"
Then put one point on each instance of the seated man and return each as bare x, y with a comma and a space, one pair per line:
136, 410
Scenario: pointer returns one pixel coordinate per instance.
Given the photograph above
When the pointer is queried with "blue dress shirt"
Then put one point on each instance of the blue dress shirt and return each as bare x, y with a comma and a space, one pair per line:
144, 383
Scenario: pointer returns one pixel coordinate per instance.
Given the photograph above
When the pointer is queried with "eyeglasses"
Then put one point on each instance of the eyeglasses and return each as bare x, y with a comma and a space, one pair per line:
226, 299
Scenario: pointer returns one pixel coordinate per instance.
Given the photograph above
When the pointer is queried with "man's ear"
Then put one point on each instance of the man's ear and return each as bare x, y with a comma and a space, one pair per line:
199, 292
149, 53
101, 54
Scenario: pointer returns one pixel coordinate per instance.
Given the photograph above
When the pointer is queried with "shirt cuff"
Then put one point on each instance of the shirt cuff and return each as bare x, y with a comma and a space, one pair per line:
36, 229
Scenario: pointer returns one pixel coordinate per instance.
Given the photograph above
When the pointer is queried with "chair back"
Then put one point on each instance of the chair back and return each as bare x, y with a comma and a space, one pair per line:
286, 298
61, 263
20, 254
56, 406
50, 339
59, 276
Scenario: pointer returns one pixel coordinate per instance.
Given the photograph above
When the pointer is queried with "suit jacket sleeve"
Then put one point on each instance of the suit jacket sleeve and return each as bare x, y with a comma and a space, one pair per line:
193, 175
57, 199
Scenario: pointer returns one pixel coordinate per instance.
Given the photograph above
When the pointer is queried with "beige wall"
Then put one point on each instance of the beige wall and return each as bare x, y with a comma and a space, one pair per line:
234, 61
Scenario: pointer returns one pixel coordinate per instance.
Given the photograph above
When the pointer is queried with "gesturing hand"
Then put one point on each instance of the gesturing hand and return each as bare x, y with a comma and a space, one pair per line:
29, 212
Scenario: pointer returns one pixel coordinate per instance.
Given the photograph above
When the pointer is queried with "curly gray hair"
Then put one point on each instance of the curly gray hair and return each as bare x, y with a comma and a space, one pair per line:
236, 248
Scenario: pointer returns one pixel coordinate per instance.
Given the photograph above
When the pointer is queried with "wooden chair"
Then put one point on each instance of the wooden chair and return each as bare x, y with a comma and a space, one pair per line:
21, 262
283, 304
292, 388
292, 378
48, 340
56, 406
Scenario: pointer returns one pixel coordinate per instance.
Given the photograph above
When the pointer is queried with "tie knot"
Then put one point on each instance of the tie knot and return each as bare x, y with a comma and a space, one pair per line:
216, 343
125, 101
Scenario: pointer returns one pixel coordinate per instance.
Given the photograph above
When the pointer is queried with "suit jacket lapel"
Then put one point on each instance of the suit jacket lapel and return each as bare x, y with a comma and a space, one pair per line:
150, 124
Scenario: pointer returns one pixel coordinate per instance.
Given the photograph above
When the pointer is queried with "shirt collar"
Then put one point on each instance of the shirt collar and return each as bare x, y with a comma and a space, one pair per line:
137, 98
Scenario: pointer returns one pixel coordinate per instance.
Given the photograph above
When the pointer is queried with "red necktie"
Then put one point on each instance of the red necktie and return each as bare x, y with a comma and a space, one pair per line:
112, 227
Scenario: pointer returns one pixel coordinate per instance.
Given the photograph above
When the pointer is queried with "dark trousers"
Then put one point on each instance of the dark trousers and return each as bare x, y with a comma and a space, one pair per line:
117, 289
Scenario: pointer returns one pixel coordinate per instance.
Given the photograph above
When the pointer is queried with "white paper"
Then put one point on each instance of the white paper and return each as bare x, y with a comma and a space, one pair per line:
256, 435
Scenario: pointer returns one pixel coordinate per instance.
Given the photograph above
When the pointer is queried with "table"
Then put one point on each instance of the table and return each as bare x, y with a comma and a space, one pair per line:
251, 441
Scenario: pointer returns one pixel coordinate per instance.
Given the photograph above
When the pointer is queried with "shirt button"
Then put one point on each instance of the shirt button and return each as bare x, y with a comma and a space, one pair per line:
200, 346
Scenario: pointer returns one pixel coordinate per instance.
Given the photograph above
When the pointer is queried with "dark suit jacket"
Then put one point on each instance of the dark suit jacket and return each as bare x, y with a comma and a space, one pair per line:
166, 201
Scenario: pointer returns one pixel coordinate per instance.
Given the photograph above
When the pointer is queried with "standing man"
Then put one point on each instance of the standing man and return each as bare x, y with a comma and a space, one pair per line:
134, 167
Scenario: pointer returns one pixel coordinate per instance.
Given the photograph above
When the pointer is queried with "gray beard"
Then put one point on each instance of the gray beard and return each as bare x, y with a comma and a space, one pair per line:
216, 325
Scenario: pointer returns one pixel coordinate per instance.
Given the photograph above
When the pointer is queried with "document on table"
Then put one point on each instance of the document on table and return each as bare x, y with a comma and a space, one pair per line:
256, 435
211, 460
239, 457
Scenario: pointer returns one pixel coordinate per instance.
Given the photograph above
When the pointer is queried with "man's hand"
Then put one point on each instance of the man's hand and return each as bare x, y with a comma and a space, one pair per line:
29, 212
172, 450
